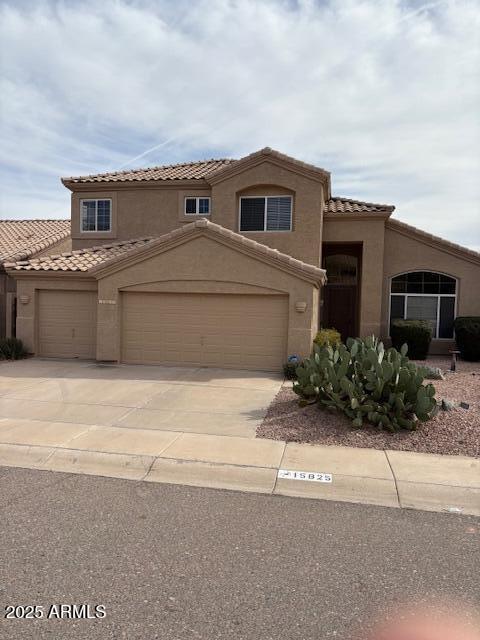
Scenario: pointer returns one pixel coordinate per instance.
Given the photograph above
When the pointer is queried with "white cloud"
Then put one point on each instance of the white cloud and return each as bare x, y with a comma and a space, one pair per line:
386, 95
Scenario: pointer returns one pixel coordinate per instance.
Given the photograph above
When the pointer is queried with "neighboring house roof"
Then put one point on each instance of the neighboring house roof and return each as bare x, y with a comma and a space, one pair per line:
96, 258
20, 239
81, 259
347, 205
182, 171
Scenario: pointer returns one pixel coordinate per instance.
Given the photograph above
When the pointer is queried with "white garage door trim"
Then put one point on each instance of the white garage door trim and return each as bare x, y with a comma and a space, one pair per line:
205, 329
67, 325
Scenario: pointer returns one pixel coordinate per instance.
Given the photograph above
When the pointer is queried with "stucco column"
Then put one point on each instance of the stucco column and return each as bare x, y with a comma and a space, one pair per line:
303, 321
372, 285
108, 323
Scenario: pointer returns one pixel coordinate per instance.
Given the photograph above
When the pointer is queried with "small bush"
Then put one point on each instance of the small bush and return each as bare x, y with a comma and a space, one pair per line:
12, 349
368, 384
416, 334
467, 335
327, 336
290, 370
432, 373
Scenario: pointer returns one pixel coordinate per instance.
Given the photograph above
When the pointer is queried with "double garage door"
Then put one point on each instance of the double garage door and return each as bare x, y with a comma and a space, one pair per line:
211, 330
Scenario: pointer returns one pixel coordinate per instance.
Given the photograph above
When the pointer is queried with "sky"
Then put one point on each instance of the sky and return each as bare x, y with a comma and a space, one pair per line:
385, 94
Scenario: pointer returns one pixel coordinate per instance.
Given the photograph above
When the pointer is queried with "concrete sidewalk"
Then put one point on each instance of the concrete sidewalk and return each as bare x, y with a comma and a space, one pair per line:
388, 478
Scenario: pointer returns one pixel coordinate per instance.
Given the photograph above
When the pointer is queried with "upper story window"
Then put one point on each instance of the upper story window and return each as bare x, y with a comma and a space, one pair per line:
423, 295
96, 215
197, 206
269, 213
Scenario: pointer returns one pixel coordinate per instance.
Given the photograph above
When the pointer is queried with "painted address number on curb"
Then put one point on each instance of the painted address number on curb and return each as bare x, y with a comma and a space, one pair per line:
309, 476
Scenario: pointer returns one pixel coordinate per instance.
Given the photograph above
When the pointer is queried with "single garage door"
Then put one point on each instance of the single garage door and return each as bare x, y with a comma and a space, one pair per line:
211, 330
67, 324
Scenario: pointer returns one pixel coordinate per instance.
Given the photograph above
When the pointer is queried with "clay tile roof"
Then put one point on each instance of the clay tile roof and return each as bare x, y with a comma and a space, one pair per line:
346, 205
182, 171
94, 258
81, 259
21, 239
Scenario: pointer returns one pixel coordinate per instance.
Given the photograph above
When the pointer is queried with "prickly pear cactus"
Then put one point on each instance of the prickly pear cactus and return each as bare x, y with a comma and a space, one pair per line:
367, 383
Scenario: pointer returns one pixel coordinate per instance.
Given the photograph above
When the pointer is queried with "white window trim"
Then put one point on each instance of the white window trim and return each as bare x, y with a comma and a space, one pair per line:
197, 206
265, 230
424, 295
96, 215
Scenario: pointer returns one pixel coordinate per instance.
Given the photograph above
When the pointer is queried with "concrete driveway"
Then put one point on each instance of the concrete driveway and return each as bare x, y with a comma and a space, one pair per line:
192, 400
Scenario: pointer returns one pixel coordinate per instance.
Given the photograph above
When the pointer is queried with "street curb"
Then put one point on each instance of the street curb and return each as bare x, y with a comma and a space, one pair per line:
394, 479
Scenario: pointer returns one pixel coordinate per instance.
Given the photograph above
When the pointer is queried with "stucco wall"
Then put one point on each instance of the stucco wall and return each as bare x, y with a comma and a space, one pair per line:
203, 264
410, 253
304, 241
370, 232
200, 265
142, 211
8, 287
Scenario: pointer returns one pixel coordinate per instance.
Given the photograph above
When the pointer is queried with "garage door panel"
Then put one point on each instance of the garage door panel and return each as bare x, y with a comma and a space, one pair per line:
243, 331
67, 324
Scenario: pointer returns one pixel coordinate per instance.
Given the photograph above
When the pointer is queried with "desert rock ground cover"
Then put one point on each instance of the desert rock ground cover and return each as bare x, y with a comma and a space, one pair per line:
454, 432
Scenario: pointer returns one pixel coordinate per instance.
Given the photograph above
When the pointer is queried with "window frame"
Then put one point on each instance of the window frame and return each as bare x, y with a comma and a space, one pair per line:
424, 295
197, 205
96, 230
265, 198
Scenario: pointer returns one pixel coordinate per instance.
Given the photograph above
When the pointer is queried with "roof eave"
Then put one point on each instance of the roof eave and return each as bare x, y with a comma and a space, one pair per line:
109, 185
357, 215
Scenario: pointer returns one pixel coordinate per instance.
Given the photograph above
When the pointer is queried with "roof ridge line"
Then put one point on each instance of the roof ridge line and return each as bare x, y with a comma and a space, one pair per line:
150, 168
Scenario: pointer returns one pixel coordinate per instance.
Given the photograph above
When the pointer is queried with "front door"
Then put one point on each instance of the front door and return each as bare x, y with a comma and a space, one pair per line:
341, 293
340, 309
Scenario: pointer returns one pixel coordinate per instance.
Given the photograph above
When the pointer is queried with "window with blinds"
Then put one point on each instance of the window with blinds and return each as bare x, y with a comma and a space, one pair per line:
270, 213
425, 295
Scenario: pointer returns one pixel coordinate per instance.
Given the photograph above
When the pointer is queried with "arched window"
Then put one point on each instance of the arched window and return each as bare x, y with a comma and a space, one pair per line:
423, 295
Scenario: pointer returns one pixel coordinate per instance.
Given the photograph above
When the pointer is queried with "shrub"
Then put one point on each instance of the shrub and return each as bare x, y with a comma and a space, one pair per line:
367, 383
432, 373
467, 335
327, 336
12, 349
290, 370
417, 334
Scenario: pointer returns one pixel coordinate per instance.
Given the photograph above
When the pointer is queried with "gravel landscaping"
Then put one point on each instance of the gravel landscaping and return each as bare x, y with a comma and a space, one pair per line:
454, 432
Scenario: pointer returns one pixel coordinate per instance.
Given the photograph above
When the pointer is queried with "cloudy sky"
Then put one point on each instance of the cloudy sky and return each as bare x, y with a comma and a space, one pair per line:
384, 94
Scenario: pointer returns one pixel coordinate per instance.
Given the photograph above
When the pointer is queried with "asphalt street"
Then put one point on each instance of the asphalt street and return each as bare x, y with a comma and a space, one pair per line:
180, 563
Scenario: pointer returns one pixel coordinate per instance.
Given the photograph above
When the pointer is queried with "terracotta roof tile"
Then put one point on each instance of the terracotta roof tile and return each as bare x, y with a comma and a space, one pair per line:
347, 205
20, 239
79, 260
94, 258
182, 171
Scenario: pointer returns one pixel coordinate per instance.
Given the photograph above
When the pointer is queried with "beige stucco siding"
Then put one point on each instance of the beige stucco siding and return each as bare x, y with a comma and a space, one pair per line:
407, 252
145, 210
227, 282
369, 232
205, 265
304, 241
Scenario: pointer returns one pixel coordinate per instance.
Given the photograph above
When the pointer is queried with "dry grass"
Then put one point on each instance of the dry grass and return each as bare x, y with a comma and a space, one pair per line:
450, 432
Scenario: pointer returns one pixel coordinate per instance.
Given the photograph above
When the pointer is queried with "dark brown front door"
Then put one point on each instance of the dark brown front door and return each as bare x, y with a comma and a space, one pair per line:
340, 309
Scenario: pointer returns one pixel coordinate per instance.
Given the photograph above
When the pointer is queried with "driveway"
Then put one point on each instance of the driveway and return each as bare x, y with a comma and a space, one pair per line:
59, 393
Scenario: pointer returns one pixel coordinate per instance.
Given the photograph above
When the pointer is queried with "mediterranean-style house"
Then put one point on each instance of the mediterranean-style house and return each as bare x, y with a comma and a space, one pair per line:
20, 240
233, 263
